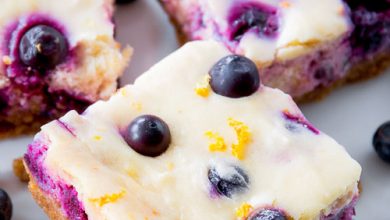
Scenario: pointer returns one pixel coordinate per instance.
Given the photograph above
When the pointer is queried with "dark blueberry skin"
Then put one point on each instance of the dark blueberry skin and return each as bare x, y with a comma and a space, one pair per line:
234, 76
381, 141
230, 185
5, 206
148, 135
121, 2
377, 5
43, 47
259, 18
268, 214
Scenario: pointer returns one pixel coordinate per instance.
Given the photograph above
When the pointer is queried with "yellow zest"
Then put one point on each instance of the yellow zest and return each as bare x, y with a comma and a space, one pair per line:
285, 4
203, 89
170, 166
7, 60
218, 144
97, 137
243, 138
108, 198
132, 172
137, 106
123, 92
244, 211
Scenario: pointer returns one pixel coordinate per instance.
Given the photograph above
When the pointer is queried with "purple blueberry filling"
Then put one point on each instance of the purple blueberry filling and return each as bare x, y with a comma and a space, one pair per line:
346, 213
295, 123
256, 17
371, 31
64, 193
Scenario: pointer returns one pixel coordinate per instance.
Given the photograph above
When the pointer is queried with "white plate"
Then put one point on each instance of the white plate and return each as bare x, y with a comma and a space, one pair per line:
350, 115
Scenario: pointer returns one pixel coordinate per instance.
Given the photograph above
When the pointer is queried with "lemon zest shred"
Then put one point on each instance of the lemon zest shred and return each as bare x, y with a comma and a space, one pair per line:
244, 210
244, 137
203, 89
109, 198
218, 143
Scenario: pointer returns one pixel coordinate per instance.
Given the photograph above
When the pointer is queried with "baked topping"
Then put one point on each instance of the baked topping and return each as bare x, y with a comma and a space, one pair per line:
234, 76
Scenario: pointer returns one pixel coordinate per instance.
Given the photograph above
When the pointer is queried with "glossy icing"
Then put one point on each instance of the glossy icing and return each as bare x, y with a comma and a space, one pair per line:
290, 164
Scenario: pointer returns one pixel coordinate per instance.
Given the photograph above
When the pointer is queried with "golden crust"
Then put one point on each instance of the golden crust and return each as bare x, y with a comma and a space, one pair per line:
20, 128
19, 170
49, 204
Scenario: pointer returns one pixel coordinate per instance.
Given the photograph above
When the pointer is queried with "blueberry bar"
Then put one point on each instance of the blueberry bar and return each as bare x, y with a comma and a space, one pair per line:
54, 57
196, 137
303, 47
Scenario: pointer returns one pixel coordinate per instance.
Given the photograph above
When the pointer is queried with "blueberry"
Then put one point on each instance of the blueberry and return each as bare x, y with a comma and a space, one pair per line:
234, 76
381, 141
5, 206
43, 47
268, 214
121, 2
228, 181
377, 5
259, 18
148, 135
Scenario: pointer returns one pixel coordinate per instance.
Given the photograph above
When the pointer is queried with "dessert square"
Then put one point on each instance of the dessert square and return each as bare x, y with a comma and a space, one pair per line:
55, 57
195, 137
303, 47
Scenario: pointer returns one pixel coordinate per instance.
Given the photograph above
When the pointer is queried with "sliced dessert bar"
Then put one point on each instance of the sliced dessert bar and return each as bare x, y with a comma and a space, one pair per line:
54, 57
196, 137
303, 47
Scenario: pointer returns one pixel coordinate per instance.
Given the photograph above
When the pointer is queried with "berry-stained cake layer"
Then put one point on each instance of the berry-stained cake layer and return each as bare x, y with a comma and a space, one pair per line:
195, 137
55, 57
302, 47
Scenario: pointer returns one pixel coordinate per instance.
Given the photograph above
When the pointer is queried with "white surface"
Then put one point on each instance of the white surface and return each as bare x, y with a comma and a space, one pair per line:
350, 115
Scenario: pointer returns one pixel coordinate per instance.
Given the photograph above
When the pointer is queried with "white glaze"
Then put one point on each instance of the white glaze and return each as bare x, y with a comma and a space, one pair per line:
302, 173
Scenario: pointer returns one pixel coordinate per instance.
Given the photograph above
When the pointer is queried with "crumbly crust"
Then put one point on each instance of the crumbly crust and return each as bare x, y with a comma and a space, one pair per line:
49, 204
23, 128
19, 170
363, 71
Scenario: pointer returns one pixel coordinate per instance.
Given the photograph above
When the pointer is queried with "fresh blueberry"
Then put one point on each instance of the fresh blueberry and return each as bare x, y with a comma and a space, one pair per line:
258, 18
377, 5
148, 135
43, 47
5, 206
268, 214
121, 2
381, 141
234, 76
228, 181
